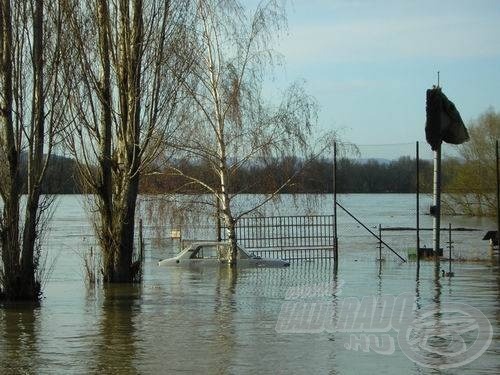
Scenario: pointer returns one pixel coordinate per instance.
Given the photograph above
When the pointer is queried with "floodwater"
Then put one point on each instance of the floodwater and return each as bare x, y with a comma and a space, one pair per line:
255, 321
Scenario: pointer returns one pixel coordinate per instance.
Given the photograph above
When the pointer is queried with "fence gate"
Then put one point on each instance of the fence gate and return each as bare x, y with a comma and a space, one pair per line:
291, 238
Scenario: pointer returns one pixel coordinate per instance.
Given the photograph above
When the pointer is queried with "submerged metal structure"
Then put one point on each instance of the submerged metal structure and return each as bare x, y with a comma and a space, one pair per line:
291, 238
443, 124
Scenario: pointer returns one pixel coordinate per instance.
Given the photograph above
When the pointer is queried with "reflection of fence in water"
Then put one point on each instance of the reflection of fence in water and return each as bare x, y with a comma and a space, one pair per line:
287, 237
293, 281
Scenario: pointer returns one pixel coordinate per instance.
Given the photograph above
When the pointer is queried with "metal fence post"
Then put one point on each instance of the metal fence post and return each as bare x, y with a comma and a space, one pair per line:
417, 188
335, 238
437, 206
380, 243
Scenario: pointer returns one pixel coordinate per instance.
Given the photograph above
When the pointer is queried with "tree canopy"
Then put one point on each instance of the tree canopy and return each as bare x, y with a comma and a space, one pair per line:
473, 183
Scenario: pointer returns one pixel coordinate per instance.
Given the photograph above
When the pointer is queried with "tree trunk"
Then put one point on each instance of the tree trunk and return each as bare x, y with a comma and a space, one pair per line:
10, 246
105, 182
223, 171
228, 216
125, 182
35, 157
10, 195
30, 284
124, 270
10, 215
231, 231
19, 261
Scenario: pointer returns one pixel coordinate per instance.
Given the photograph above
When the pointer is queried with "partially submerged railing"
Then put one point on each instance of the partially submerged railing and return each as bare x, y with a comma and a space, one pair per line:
291, 238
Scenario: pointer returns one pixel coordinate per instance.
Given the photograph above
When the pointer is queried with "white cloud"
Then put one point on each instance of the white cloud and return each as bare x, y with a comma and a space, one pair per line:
405, 37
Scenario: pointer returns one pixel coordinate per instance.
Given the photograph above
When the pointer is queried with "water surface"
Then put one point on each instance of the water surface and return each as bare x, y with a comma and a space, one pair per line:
214, 320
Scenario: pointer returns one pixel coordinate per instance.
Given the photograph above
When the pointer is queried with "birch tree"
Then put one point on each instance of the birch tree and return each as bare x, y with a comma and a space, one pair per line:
227, 122
31, 47
126, 66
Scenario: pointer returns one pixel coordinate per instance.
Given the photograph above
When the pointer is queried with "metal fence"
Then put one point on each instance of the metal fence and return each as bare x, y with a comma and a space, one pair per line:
291, 238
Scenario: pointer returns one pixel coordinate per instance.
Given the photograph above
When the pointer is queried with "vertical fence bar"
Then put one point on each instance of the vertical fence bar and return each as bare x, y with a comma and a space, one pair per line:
281, 226
251, 226
330, 240
296, 231
281, 250
289, 232
335, 238
417, 188
303, 233
271, 232
331, 232
245, 229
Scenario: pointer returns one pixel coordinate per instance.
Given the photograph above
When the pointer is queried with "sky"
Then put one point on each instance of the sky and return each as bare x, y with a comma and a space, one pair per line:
368, 63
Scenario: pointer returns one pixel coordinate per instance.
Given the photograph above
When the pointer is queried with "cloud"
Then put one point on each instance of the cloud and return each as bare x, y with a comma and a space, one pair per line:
453, 36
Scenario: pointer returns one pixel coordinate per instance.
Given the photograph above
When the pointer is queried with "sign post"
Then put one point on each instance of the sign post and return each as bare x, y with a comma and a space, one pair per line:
443, 124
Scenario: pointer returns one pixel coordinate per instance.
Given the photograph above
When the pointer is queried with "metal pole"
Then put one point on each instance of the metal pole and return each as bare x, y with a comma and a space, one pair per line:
380, 243
418, 208
450, 246
335, 238
437, 205
370, 231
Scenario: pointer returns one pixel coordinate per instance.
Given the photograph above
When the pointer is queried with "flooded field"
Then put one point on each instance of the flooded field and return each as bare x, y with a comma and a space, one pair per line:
304, 319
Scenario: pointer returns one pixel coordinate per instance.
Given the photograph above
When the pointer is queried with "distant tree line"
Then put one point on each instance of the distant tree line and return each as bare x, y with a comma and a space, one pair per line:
60, 176
310, 176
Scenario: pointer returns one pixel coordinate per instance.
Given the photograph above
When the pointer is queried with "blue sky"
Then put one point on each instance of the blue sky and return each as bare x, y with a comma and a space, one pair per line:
369, 62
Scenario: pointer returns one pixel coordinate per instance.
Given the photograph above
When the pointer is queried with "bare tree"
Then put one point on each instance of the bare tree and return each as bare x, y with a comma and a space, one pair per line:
31, 114
471, 189
227, 123
126, 66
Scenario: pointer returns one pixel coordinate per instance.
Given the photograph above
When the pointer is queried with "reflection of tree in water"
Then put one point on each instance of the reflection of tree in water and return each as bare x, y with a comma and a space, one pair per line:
19, 349
224, 308
437, 286
116, 351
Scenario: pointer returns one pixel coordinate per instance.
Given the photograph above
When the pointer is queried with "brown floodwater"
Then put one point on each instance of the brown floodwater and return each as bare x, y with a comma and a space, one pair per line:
251, 321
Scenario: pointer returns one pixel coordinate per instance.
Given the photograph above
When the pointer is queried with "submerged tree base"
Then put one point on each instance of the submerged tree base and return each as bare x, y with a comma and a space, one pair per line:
21, 291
